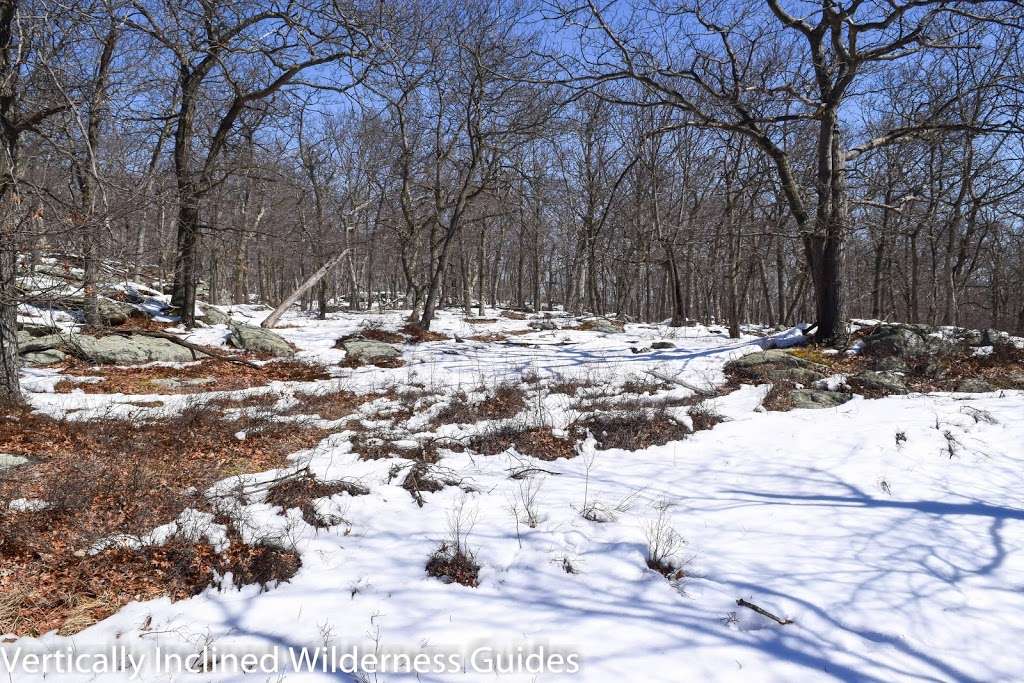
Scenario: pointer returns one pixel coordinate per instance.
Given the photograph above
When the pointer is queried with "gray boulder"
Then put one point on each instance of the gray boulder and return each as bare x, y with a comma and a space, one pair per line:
885, 382
891, 364
46, 357
974, 386
111, 312
799, 375
118, 349
818, 398
658, 345
905, 341
775, 357
603, 325
367, 350
543, 324
213, 316
991, 337
259, 340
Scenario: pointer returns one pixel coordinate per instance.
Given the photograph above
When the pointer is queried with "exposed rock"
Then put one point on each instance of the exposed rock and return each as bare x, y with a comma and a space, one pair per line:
543, 324
799, 375
37, 344
214, 316
891, 364
818, 398
116, 349
111, 312
367, 350
905, 341
991, 337
771, 357
603, 325
47, 357
886, 382
974, 386
8, 460
663, 345
259, 340
35, 330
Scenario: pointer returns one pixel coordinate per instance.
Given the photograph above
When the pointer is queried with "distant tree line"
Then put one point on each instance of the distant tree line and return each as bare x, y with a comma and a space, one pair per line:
767, 161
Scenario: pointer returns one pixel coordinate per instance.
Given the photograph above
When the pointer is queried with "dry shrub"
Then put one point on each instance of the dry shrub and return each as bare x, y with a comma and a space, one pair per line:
380, 446
538, 442
453, 565
703, 417
779, 398
106, 477
638, 384
227, 376
374, 334
419, 479
300, 492
380, 362
504, 401
635, 429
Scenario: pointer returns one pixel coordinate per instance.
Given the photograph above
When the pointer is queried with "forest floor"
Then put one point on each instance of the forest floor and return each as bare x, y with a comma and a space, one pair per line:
502, 491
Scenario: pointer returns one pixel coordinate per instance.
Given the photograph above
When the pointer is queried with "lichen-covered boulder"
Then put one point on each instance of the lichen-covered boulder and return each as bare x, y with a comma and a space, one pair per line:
906, 341
46, 357
259, 340
133, 349
368, 351
884, 382
818, 398
215, 316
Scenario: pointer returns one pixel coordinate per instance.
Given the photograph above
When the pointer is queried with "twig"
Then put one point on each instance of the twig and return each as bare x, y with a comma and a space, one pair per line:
763, 612
707, 393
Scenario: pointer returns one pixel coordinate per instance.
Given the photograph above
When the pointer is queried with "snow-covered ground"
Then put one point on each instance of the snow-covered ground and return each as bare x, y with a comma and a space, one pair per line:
889, 531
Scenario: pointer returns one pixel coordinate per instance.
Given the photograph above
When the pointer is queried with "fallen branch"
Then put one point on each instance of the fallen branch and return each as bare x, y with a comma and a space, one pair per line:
272, 319
763, 612
707, 393
522, 472
194, 348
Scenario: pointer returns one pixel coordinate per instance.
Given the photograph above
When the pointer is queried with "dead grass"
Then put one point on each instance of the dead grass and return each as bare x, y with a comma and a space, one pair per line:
105, 477
226, 376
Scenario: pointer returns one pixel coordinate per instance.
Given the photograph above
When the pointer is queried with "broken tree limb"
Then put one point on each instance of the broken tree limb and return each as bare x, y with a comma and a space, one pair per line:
303, 288
707, 393
763, 612
194, 348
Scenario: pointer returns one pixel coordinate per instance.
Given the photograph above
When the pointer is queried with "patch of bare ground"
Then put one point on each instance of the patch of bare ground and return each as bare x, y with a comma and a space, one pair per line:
382, 362
301, 490
331, 405
703, 417
421, 477
513, 315
224, 376
453, 565
374, 334
503, 401
779, 398
538, 442
109, 477
480, 321
417, 335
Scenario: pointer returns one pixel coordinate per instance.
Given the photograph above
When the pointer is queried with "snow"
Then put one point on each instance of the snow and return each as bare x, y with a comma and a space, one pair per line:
895, 558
